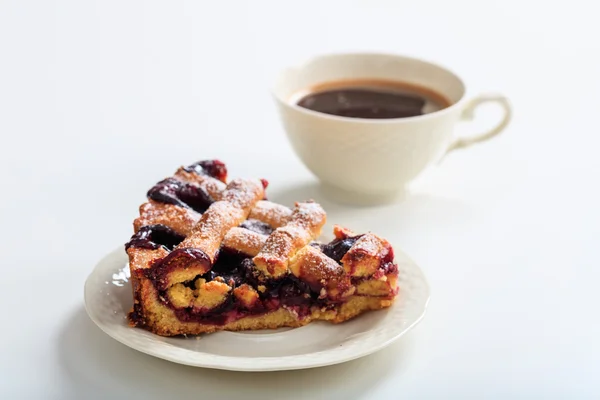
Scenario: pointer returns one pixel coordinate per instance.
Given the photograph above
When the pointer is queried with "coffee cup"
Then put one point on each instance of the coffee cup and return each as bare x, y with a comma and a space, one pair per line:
376, 156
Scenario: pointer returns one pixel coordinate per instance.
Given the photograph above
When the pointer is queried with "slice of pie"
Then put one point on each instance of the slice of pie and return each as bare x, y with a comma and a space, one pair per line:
210, 254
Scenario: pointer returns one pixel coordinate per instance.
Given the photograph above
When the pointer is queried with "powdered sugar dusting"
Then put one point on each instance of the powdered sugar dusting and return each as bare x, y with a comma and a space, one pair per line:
180, 219
273, 257
321, 272
274, 214
244, 241
310, 215
305, 225
239, 197
243, 193
212, 186
369, 243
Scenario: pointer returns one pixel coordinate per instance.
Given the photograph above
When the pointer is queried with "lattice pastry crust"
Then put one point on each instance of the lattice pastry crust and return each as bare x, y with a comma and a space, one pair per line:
211, 255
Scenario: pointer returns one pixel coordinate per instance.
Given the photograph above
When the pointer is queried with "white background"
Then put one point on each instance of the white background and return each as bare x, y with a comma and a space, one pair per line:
100, 99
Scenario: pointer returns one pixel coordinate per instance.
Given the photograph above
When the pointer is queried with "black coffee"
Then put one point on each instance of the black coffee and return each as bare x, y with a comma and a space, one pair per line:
372, 98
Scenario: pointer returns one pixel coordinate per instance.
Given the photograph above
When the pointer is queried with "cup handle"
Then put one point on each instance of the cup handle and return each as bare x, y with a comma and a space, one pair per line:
468, 114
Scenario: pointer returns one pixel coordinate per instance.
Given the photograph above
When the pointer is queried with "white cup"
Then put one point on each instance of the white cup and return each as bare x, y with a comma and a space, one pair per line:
376, 156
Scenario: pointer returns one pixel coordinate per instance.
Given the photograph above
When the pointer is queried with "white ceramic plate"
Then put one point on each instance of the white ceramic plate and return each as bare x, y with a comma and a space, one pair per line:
108, 298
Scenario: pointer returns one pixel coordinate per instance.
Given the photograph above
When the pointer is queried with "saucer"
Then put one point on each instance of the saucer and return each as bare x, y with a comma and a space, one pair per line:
108, 299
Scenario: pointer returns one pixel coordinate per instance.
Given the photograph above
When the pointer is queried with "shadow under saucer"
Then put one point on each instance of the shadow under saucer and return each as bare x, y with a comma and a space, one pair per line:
99, 367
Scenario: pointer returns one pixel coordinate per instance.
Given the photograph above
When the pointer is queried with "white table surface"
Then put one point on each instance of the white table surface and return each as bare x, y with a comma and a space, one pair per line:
100, 99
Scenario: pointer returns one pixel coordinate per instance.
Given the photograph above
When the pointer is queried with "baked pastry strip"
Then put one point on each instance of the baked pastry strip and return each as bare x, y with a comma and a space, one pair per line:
365, 256
323, 274
244, 241
305, 225
273, 214
180, 219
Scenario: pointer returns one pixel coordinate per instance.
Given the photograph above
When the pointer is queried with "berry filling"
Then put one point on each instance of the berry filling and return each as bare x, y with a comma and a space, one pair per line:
155, 236
338, 248
178, 259
181, 194
235, 270
213, 168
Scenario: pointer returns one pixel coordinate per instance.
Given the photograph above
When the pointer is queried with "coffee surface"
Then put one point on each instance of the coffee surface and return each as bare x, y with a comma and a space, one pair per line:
372, 98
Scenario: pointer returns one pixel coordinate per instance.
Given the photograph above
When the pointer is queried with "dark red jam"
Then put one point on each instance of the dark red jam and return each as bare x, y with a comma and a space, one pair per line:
178, 258
213, 168
183, 194
155, 236
237, 269
338, 248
